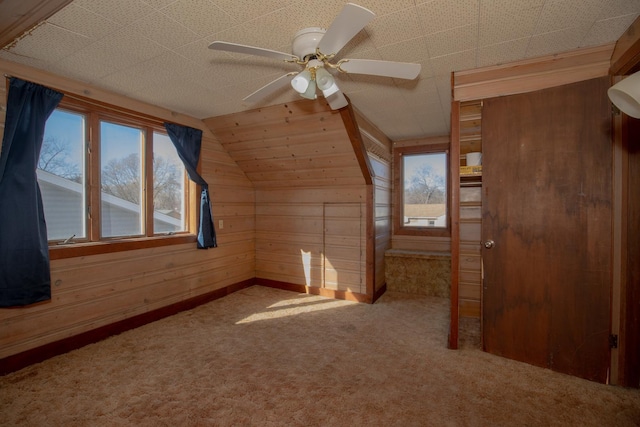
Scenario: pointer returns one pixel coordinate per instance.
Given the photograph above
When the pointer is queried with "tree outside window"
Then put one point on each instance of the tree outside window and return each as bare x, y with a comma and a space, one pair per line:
421, 190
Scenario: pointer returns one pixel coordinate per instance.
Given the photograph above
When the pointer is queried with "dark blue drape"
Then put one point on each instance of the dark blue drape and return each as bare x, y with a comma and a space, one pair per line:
188, 142
24, 251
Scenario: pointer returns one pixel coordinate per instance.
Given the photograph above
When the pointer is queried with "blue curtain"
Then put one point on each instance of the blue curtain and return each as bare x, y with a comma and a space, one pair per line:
188, 142
24, 251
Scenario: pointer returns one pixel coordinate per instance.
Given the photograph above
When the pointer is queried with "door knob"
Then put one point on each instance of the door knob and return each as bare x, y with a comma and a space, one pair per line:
489, 244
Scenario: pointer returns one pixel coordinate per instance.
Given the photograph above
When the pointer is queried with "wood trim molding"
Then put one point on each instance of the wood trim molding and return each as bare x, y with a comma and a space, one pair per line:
312, 290
351, 126
35, 355
454, 178
532, 74
105, 247
626, 54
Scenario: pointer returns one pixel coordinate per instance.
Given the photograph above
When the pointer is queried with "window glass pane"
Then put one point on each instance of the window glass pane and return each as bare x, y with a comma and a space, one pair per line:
121, 180
168, 186
425, 190
61, 175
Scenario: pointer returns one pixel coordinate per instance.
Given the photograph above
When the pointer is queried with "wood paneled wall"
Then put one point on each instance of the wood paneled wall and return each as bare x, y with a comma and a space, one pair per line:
89, 292
314, 204
382, 214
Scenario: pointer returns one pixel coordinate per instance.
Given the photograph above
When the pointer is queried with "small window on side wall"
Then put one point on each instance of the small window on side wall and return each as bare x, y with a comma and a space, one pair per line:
421, 190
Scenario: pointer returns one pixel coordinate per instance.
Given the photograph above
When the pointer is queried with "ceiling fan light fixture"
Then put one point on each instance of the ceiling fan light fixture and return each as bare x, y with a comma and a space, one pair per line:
325, 79
310, 93
336, 100
301, 81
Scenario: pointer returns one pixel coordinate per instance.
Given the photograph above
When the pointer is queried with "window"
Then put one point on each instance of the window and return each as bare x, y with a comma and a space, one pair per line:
421, 190
61, 175
109, 177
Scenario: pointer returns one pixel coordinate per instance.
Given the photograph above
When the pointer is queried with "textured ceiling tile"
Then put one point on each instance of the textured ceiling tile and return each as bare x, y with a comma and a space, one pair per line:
423, 94
394, 28
497, 26
83, 22
454, 40
384, 7
512, 7
120, 11
50, 43
132, 44
303, 14
611, 9
200, 16
556, 41
357, 47
158, 4
88, 64
188, 98
165, 31
246, 10
414, 51
558, 14
495, 54
440, 15
607, 30
225, 74
199, 52
444, 65
276, 32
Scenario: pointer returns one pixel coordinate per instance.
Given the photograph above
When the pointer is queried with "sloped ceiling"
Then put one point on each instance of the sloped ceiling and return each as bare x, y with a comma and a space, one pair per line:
156, 50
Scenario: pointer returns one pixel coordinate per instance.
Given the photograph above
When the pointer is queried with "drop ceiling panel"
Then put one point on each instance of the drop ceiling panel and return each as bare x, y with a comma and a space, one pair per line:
163, 30
123, 12
454, 40
500, 27
440, 15
501, 53
201, 16
558, 14
84, 22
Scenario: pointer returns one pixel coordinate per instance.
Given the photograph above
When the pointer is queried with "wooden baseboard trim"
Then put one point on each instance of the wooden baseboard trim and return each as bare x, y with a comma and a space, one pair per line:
329, 293
380, 292
29, 357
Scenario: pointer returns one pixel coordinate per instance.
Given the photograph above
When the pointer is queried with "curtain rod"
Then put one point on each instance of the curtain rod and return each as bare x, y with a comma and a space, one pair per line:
107, 106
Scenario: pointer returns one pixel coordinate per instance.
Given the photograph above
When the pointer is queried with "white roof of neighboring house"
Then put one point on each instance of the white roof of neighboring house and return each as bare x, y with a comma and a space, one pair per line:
117, 202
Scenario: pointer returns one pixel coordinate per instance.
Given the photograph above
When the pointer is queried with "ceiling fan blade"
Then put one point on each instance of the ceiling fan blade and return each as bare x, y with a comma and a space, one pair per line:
400, 70
251, 50
270, 88
347, 24
335, 97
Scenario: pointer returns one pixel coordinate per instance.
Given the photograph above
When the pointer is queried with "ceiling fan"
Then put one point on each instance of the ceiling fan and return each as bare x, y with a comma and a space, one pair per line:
314, 48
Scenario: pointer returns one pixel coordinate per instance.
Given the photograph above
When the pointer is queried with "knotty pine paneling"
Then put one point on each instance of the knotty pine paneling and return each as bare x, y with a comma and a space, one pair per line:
93, 291
308, 181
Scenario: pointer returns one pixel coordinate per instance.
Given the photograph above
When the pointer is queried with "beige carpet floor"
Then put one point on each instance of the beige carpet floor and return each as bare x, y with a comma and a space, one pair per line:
266, 357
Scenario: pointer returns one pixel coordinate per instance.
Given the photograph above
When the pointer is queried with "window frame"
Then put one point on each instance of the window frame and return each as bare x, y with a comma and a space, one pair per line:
96, 112
398, 190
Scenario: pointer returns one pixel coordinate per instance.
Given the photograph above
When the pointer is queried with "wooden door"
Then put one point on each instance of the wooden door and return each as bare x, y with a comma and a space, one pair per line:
547, 206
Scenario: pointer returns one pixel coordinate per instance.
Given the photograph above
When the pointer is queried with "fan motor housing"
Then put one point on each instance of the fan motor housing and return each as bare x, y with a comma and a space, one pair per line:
306, 41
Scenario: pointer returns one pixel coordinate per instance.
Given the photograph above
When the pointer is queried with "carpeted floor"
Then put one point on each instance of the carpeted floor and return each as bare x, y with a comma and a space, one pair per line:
265, 357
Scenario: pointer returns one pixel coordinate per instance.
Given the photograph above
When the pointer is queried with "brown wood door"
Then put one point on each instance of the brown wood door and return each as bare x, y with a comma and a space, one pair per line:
547, 206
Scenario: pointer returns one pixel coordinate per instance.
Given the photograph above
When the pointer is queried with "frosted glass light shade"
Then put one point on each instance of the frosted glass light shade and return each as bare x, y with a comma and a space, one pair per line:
310, 93
626, 95
301, 81
324, 78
